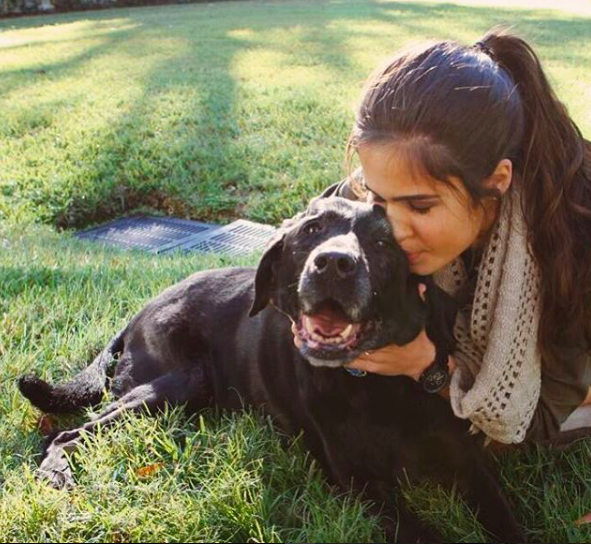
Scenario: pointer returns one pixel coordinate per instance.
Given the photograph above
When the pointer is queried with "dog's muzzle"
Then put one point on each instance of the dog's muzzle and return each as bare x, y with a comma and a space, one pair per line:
334, 296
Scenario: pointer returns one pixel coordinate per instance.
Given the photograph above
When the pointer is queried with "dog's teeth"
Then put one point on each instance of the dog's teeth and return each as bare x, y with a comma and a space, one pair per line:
317, 337
313, 345
347, 332
308, 326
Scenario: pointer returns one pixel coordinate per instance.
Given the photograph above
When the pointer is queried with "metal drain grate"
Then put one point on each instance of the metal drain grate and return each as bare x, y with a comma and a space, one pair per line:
164, 235
146, 233
238, 238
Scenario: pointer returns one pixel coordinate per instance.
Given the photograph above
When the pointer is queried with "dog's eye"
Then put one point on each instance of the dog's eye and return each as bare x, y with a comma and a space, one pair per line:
312, 228
384, 244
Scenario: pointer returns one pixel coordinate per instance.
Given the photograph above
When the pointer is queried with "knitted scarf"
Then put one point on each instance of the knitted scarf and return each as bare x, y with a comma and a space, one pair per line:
498, 377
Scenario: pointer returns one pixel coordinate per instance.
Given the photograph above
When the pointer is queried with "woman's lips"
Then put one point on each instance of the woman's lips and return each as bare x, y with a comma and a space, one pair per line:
414, 256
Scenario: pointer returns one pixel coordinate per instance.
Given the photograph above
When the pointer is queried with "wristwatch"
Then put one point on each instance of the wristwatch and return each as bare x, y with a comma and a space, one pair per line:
435, 377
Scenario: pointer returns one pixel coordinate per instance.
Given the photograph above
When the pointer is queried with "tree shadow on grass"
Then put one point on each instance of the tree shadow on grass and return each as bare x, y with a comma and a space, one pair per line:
202, 162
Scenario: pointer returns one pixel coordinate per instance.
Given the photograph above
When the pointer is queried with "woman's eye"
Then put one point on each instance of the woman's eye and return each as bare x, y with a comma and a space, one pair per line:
420, 209
312, 228
375, 199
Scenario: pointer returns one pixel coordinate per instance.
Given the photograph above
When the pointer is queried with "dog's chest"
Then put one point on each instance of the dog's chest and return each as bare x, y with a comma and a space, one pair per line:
352, 407
374, 425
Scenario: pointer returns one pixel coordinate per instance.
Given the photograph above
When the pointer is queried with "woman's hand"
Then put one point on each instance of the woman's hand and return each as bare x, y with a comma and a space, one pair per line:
409, 360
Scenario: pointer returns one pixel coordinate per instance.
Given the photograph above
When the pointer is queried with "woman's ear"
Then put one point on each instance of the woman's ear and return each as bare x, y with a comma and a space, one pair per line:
502, 177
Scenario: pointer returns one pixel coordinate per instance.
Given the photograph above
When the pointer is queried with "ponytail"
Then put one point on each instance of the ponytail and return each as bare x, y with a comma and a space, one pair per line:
553, 166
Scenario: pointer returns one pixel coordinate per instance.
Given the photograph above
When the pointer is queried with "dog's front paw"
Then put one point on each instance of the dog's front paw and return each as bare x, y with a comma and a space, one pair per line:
415, 531
55, 470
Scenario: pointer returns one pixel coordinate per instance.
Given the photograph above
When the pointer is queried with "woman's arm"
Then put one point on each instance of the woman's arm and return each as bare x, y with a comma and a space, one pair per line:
565, 386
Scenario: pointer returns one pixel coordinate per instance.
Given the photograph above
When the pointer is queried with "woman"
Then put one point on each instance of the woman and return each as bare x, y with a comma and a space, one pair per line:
487, 183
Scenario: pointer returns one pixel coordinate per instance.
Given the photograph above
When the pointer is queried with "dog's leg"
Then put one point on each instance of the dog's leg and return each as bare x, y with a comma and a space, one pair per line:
484, 496
398, 522
412, 529
85, 389
175, 388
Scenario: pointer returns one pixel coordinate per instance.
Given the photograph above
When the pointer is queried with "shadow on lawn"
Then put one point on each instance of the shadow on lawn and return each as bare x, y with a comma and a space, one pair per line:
202, 169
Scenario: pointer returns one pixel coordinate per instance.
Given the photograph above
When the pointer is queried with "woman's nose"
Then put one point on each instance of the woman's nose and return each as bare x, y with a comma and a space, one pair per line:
402, 228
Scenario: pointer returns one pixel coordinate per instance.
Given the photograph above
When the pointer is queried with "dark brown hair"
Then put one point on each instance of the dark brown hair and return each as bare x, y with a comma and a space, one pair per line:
458, 111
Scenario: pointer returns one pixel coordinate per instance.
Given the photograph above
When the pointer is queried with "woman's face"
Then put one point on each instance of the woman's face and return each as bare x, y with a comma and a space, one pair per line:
432, 222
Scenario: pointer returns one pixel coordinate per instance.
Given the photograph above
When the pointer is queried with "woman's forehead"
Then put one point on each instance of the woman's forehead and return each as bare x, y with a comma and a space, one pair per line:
394, 174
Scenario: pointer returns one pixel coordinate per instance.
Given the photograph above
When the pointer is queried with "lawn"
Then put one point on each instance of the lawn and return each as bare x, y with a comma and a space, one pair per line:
174, 479
212, 112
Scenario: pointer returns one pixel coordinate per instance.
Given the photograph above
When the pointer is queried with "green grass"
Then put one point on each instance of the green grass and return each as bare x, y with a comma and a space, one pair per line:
227, 479
210, 111
237, 109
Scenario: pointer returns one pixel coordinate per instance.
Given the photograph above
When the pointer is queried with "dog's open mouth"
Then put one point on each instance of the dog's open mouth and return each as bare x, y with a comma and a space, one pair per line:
328, 328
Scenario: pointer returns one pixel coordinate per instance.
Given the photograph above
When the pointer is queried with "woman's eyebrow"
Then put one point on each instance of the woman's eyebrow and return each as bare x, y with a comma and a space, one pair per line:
405, 198
415, 197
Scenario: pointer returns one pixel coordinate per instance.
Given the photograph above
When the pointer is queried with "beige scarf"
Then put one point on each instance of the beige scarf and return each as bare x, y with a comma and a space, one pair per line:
498, 377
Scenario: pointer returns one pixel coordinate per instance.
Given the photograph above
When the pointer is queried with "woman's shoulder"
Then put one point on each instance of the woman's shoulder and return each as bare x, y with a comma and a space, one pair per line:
346, 188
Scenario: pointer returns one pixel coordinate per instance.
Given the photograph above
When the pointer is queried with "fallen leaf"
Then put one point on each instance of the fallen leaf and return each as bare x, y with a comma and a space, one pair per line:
120, 536
584, 520
150, 470
46, 425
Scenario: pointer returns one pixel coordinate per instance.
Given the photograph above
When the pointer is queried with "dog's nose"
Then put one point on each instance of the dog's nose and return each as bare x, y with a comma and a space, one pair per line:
336, 263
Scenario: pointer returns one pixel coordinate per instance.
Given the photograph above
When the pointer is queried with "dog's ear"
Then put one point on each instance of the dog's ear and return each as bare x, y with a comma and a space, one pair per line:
264, 281
311, 209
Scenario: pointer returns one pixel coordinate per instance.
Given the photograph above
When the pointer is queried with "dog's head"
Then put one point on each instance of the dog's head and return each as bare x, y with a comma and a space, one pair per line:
338, 273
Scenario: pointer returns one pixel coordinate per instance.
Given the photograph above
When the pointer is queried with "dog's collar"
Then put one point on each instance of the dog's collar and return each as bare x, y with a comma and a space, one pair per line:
356, 373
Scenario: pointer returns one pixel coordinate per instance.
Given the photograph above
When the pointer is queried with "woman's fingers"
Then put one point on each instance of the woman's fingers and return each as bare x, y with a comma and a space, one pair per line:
362, 364
422, 290
366, 363
296, 337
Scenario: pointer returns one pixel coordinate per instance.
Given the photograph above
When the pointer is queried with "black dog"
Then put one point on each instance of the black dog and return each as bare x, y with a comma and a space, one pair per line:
222, 338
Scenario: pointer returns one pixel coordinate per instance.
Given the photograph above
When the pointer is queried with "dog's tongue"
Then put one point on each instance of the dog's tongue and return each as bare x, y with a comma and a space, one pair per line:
329, 321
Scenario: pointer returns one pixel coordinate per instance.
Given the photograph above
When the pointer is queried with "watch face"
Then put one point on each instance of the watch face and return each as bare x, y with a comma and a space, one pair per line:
434, 380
